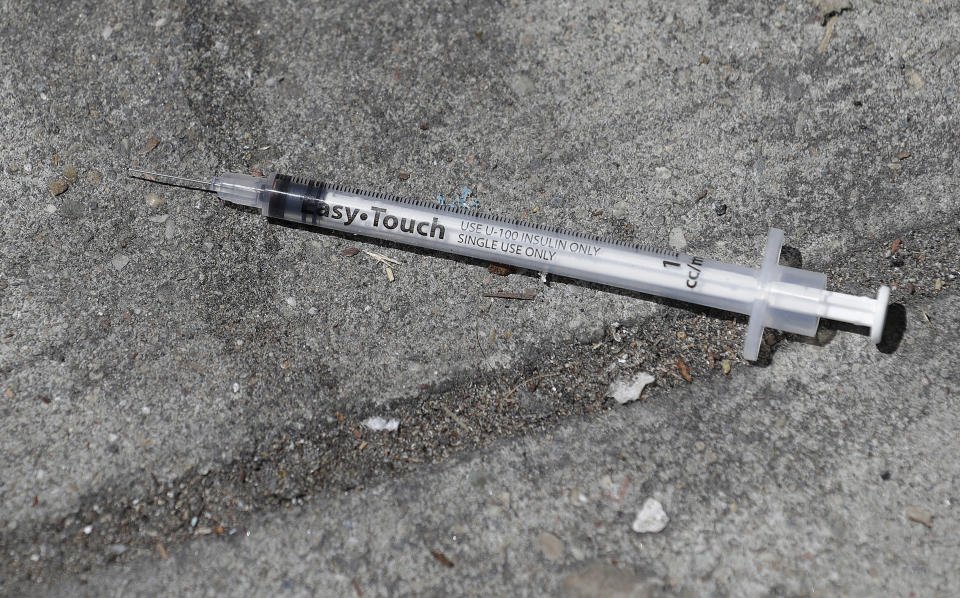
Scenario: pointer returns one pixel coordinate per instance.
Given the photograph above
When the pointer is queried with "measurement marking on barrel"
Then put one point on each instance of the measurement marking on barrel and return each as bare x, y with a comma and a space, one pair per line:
694, 272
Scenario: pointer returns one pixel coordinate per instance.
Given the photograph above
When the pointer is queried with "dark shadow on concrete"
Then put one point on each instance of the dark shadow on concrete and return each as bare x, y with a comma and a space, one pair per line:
894, 328
791, 256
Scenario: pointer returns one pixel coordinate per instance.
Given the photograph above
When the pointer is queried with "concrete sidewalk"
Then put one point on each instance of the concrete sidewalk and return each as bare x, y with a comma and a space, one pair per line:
174, 372
775, 482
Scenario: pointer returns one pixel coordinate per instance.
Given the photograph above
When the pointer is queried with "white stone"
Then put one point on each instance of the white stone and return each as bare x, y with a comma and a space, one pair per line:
651, 518
678, 239
379, 424
625, 390
120, 262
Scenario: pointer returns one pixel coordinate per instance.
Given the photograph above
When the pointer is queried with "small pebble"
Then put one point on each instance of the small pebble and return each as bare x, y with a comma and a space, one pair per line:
677, 239
651, 518
625, 390
292, 302
551, 546
50, 209
403, 175
107, 32
87, 530
70, 173
725, 365
150, 145
719, 208
160, 22
120, 262
58, 186
154, 200
351, 251
380, 424
236, 387
919, 515
913, 78
521, 84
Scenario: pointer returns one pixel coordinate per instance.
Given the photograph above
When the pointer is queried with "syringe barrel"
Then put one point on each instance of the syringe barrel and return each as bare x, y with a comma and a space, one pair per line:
463, 231
777, 296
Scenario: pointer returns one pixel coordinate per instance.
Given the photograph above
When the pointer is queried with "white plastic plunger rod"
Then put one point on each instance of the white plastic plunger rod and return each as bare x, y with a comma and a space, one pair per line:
794, 300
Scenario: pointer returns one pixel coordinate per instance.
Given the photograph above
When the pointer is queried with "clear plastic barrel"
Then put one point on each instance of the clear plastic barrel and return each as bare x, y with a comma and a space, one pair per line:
785, 298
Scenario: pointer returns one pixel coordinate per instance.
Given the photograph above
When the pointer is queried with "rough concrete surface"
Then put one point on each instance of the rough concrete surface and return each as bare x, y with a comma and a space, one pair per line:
184, 383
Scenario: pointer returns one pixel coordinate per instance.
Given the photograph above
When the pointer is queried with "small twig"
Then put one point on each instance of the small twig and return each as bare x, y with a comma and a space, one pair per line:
456, 418
441, 558
527, 381
827, 35
929, 322
381, 258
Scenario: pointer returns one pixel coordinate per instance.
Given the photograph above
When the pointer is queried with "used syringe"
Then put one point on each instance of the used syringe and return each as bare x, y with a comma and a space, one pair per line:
774, 296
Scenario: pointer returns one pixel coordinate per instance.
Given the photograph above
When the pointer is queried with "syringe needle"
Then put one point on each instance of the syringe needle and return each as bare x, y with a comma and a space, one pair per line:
168, 179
